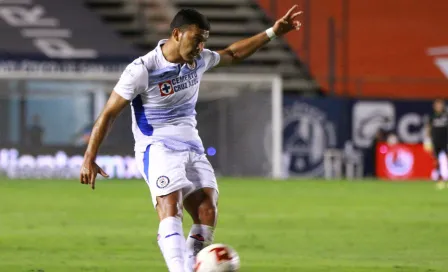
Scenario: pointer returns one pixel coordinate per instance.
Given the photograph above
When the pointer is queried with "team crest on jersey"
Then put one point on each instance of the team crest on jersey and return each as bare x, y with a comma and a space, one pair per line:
162, 182
166, 88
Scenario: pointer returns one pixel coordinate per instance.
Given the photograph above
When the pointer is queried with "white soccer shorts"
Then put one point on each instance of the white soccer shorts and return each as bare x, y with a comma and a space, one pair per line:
166, 171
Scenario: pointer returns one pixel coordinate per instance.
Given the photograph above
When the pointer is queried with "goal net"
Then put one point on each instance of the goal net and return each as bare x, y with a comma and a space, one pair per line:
239, 120
241, 117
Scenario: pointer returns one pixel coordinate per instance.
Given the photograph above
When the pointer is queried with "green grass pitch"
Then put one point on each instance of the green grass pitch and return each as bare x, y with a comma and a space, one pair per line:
310, 226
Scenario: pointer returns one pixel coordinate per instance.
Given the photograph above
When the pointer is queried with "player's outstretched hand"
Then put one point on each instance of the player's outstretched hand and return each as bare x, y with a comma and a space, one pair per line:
89, 170
288, 22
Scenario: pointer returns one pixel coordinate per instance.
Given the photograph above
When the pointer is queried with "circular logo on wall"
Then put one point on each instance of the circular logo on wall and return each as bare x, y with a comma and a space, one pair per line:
162, 182
307, 134
399, 161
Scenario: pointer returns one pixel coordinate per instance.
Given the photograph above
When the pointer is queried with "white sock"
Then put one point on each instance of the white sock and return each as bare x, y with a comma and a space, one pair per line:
172, 243
435, 175
199, 237
443, 166
159, 241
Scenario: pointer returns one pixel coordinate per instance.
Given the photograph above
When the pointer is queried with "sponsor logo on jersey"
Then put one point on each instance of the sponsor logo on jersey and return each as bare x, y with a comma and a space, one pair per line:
178, 84
166, 88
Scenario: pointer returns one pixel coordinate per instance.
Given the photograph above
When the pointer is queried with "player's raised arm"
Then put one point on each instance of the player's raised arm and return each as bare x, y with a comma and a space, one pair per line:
242, 49
102, 126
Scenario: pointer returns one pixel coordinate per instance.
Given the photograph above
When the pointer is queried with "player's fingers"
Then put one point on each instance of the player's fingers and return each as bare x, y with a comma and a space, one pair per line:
284, 21
102, 173
290, 11
84, 179
92, 180
84, 175
296, 14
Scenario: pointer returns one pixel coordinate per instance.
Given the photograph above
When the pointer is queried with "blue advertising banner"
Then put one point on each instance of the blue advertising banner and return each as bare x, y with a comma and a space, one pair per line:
312, 125
404, 118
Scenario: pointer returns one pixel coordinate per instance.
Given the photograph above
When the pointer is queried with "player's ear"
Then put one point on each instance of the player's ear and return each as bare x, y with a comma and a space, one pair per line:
177, 33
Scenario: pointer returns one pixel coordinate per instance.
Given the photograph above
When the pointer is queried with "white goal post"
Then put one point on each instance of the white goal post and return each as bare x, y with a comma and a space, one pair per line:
258, 83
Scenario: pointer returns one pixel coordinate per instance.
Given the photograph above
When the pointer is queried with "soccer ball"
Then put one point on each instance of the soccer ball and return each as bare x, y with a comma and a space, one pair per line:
217, 258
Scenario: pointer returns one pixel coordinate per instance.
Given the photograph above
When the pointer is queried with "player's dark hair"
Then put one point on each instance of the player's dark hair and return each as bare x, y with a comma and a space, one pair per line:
186, 17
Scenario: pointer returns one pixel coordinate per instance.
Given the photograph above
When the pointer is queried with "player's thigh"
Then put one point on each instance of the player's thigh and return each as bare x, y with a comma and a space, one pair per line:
163, 170
200, 172
204, 197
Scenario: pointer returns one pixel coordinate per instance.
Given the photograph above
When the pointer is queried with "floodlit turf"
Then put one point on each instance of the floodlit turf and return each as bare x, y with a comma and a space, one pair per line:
310, 226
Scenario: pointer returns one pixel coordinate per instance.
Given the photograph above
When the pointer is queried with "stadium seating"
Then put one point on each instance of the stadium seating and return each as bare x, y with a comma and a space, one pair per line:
145, 22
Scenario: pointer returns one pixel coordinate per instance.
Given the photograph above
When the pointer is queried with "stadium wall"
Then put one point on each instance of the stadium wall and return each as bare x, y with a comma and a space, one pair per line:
382, 48
311, 126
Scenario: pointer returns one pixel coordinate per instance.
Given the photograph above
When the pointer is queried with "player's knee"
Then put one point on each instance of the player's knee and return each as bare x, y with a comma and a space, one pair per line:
207, 212
169, 210
169, 207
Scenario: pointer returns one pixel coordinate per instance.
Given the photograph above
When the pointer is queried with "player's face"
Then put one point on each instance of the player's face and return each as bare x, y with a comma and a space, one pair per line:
192, 42
439, 106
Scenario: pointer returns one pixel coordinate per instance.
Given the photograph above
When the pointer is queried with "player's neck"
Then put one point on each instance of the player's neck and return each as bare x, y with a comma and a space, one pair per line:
170, 53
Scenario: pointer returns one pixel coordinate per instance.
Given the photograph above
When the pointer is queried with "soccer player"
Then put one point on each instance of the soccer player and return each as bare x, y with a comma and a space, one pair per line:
162, 88
437, 138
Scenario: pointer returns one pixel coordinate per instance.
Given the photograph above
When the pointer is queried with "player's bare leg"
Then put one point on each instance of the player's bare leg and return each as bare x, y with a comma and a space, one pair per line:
202, 205
170, 237
443, 170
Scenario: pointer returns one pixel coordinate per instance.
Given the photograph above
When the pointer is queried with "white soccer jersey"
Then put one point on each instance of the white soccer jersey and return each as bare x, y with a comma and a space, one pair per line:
163, 97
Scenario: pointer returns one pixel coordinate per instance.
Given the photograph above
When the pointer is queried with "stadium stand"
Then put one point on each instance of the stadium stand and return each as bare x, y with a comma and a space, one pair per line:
145, 22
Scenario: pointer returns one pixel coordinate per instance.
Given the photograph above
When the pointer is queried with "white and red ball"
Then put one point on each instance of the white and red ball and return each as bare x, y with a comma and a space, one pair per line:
217, 258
